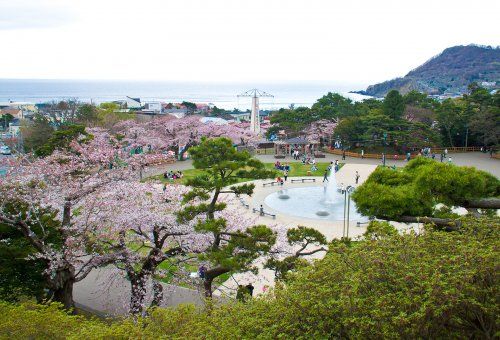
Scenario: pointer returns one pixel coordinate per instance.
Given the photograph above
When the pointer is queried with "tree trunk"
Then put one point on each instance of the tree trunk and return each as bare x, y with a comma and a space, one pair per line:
207, 285
64, 295
449, 136
138, 293
61, 286
157, 293
210, 275
484, 203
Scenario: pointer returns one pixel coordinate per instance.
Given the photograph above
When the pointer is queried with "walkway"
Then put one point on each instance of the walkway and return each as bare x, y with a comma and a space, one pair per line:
481, 161
106, 292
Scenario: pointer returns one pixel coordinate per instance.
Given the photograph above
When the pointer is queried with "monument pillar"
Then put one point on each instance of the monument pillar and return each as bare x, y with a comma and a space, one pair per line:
255, 118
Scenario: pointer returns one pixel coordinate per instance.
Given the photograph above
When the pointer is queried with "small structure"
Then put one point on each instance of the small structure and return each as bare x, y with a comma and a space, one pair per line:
152, 107
255, 117
283, 148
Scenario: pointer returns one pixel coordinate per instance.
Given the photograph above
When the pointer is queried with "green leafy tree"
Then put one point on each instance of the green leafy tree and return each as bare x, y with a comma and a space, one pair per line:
484, 127
36, 133
191, 107
5, 120
293, 121
273, 130
333, 105
431, 285
377, 230
61, 139
109, 114
223, 166
21, 273
394, 105
412, 193
87, 114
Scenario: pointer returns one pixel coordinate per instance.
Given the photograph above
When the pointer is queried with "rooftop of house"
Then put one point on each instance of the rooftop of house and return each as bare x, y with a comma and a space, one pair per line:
135, 99
10, 110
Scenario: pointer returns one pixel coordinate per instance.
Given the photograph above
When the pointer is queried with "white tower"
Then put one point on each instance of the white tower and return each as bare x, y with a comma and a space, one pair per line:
255, 117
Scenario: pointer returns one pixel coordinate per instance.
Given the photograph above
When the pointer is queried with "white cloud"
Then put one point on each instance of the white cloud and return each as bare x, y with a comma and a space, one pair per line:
24, 14
228, 40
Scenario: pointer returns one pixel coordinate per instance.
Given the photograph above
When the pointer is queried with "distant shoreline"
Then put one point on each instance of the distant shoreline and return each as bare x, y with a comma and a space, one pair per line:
222, 95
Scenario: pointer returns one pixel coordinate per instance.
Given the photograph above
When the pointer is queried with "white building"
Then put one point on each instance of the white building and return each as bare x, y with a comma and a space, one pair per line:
152, 108
133, 103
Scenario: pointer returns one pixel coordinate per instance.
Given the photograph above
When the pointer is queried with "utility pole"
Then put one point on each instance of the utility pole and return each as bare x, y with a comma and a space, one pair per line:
255, 94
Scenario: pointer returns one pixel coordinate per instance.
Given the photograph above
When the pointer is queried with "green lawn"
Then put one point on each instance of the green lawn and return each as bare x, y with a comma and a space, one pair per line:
297, 169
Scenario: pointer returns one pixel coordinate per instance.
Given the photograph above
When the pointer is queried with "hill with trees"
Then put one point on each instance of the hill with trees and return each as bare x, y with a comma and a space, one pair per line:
399, 123
447, 73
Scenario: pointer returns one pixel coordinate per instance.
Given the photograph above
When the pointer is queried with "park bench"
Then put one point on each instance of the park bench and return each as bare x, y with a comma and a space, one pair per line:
263, 213
304, 180
319, 155
279, 156
270, 183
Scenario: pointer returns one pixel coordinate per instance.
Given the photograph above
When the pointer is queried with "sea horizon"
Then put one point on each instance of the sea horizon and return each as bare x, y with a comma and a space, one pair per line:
222, 94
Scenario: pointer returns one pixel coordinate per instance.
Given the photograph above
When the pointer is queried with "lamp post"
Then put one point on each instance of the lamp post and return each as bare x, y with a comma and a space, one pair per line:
347, 205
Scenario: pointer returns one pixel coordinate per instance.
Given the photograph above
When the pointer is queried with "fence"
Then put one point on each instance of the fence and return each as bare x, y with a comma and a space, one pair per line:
264, 151
379, 156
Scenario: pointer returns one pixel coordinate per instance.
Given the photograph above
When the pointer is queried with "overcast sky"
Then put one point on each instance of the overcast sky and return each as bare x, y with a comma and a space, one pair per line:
353, 41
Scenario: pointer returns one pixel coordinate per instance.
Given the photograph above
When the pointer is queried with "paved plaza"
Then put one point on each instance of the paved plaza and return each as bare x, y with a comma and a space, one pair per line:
105, 289
481, 161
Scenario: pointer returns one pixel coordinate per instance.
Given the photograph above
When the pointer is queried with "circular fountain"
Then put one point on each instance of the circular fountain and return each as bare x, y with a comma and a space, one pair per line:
318, 202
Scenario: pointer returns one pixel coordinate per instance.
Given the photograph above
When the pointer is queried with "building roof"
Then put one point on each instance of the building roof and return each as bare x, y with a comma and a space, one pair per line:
12, 111
214, 120
135, 99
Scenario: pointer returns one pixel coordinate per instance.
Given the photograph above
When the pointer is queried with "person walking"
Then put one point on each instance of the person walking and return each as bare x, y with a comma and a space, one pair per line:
343, 155
285, 174
362, 153
450, 160
357, 177
325, 177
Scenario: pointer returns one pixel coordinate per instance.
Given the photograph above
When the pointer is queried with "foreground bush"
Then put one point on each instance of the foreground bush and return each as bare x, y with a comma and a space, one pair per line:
433, 285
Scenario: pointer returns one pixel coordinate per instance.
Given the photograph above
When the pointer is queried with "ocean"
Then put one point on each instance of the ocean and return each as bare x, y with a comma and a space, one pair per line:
223, 95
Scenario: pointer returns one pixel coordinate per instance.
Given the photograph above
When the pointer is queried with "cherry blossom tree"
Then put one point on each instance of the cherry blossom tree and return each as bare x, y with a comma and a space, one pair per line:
170, 133
63, 182
320, 129
138, 219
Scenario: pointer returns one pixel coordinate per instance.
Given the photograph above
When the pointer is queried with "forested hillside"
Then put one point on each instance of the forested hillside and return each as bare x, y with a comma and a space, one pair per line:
449, 72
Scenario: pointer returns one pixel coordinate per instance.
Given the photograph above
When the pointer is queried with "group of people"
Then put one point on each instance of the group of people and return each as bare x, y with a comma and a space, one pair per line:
282, 167
296, 154
172, 175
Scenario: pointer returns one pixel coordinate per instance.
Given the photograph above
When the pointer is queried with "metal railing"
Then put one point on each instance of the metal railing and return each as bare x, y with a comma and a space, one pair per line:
402, 156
